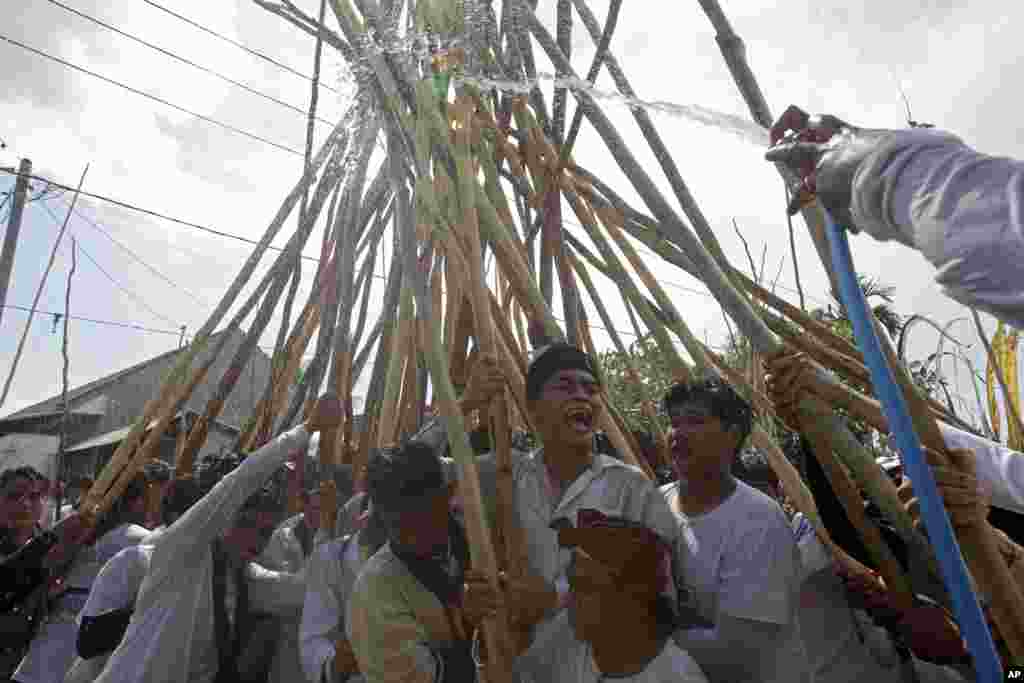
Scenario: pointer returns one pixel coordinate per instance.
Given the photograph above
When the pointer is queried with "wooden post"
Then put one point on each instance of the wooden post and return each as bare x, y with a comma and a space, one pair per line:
42, 284
13, 230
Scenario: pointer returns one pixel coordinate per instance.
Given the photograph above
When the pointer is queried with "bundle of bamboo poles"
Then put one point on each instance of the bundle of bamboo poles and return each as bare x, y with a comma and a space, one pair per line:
468, 182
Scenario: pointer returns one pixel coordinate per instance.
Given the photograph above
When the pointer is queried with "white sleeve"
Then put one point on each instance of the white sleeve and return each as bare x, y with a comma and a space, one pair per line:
116, 585
814, 557
322, 614
964, 211
998, 467
278, 593
212, 515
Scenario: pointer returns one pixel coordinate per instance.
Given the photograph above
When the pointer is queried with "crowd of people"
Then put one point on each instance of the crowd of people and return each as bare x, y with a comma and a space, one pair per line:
709, 575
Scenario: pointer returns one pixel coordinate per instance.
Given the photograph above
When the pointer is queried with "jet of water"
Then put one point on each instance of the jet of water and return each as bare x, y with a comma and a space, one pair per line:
730, 123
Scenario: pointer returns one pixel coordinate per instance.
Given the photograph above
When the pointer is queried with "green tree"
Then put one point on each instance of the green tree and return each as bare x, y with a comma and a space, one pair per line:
628, 396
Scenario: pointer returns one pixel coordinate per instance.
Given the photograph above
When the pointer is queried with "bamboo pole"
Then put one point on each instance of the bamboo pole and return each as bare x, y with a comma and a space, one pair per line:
481, 548
508, 529
735, 54
979, 544
118, 471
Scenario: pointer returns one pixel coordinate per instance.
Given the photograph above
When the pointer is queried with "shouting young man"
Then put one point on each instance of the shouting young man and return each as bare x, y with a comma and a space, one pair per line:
736, 551
563, 395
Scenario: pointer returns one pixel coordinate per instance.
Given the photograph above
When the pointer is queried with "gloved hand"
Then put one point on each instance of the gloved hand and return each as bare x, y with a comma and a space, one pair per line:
825, 153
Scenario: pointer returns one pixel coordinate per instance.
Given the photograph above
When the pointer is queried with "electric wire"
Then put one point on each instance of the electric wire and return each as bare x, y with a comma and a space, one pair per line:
95, 321
140, 260
185, 60
125, 290
141, 93
245, 48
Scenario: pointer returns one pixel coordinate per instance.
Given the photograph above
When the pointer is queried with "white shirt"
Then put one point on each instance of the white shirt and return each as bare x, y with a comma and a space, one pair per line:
833, 640
333, 569
171, 635
741, 560
561, 658
115, 588
284, 553
998, 468
608, 485
964, 211
53, 649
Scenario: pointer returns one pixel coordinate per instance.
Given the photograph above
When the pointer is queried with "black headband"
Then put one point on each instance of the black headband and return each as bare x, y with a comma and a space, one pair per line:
551, 360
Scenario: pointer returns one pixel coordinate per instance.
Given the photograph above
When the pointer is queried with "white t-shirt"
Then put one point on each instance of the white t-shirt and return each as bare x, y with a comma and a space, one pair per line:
561, 658
115, 588
740, 559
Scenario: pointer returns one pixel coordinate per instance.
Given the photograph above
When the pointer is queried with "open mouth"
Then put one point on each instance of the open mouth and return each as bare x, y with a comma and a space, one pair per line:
581, 420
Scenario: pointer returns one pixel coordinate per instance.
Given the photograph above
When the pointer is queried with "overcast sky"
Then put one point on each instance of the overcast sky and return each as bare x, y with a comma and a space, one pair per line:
951, 58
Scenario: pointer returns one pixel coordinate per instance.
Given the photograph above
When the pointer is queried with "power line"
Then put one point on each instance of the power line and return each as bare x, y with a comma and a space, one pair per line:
139, 259
251, 51
189, 62
202, 117
110, 323
156, 214
138, 299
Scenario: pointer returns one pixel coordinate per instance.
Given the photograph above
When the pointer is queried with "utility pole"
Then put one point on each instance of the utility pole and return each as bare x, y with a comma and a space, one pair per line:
39, 290
13, 228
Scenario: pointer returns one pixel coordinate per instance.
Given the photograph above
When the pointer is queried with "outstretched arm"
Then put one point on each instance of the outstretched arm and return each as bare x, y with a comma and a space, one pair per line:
998, 468
213, 514
961, 209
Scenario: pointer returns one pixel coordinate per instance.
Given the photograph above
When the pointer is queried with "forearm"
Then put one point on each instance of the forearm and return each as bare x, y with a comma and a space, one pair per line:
212, 515
998, 468
959, 208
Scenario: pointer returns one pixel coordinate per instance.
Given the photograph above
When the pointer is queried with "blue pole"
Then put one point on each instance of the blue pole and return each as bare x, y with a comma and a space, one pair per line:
933, 514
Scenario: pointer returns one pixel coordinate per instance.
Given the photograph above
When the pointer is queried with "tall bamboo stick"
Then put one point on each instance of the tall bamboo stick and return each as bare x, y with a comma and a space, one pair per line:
509, 531
481, 547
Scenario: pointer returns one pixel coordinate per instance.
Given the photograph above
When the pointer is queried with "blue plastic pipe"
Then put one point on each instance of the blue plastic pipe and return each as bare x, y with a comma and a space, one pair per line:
933, 514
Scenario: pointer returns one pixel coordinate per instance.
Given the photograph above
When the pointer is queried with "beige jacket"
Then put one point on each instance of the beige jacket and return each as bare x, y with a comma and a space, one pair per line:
395, 625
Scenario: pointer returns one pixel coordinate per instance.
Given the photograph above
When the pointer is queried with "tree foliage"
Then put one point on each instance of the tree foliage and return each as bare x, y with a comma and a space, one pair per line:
654, 381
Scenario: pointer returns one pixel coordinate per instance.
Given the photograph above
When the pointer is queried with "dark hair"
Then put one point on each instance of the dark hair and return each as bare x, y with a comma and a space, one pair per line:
395, 478
23, 472
754, 469
725, 404
156, 470
119, 513
265, 500
553, 359
182, 494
